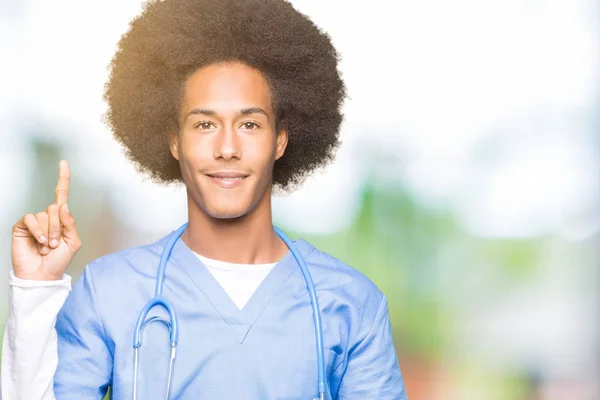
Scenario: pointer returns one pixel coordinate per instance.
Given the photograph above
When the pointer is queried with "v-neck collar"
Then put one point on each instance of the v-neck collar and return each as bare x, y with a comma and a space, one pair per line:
239, 320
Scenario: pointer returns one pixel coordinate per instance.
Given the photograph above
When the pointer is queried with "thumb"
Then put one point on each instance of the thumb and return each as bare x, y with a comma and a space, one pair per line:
68, 223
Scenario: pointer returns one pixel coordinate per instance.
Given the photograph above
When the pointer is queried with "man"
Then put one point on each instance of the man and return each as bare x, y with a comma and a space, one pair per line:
232, 98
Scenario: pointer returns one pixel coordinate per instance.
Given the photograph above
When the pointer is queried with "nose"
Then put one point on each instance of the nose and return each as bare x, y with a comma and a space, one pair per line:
228, 144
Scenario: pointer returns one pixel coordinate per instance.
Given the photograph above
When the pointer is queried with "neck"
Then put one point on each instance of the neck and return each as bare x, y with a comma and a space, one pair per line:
249, 239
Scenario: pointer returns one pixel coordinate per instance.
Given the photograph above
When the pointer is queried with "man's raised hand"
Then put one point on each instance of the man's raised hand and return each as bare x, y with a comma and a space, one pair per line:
43, 244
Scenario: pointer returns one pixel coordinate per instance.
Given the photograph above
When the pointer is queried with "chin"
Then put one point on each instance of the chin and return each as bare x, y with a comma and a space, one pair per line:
227, 213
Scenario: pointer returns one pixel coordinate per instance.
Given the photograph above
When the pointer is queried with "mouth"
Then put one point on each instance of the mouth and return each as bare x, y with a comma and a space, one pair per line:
226, 179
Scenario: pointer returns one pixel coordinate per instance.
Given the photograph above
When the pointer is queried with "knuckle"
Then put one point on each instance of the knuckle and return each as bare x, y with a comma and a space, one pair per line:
60, 191
75, 246
41, 215
16, 227
69, 220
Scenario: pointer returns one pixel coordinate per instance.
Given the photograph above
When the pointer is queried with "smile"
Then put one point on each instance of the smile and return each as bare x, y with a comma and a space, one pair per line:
227, 180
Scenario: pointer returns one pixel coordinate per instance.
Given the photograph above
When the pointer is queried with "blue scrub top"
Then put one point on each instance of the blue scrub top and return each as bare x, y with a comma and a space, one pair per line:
267, 350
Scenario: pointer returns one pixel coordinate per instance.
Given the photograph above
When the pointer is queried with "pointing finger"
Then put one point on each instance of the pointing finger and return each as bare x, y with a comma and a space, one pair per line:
61, 193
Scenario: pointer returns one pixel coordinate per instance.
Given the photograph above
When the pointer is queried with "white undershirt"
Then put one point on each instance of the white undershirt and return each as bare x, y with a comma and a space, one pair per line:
29, 346
239, 281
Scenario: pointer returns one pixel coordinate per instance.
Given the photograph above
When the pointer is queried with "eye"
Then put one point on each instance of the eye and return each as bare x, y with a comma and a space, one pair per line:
203, 125
250, 125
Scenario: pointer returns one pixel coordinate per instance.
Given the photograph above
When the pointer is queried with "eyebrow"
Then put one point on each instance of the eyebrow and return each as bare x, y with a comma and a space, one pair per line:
243, 111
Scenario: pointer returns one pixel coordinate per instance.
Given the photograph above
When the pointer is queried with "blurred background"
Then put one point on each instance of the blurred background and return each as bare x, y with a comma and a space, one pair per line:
467, 186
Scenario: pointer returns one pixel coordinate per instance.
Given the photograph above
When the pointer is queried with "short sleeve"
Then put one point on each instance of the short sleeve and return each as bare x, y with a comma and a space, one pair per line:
84, 358
372, 370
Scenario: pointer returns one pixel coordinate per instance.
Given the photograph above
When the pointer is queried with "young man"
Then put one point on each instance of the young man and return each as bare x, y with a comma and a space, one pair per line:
231, 97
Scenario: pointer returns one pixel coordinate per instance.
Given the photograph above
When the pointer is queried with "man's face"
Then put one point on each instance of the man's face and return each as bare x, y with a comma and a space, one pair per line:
227, 144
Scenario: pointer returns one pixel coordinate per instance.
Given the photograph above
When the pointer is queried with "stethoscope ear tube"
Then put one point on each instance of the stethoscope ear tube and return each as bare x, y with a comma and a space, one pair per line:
315, 307
164, 258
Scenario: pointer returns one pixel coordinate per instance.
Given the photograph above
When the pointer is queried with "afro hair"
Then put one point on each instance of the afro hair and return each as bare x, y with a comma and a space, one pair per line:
171, 39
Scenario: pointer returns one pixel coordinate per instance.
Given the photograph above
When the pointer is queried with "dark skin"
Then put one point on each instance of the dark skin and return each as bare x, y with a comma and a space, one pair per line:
226, 147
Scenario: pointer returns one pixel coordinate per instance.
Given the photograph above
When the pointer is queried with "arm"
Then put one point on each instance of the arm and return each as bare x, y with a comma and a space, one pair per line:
29, 346
84, 359
42, 247
372, 370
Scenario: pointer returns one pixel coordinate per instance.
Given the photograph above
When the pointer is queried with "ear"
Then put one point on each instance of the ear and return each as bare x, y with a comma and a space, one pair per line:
282, 140
174, 145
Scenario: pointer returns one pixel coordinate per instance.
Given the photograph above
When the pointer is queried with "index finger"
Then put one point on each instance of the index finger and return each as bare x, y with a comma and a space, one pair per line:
61, 193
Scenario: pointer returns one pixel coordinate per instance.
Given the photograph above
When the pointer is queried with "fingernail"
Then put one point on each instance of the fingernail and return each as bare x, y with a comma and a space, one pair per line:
43, 239
54, 243
45, 250
66, 207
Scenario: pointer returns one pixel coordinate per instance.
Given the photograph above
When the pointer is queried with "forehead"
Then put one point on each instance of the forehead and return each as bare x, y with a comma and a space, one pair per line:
227, 87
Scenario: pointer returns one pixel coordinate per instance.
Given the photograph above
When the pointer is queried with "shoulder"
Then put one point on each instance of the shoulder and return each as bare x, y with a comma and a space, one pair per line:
132, 260
347, 297
112, 274
344, 281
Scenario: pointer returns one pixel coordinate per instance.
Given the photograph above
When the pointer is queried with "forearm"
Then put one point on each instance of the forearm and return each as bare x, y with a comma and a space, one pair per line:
29, 347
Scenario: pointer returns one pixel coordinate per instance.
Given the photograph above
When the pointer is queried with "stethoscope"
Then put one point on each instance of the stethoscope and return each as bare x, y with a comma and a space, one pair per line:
172, 324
